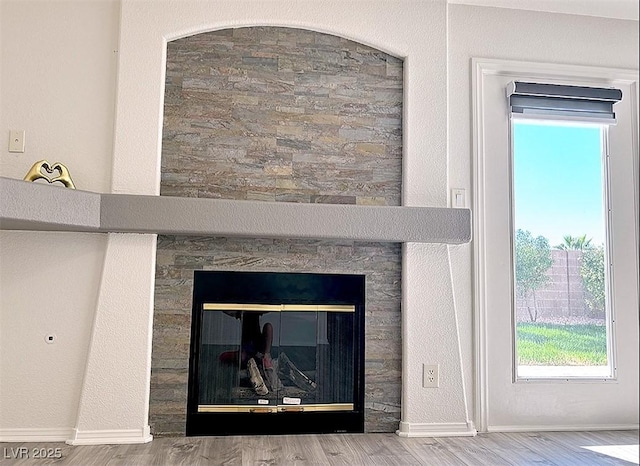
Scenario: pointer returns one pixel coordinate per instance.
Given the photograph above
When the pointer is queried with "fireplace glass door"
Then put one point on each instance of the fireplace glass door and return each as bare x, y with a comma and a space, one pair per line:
276, 353
269, 358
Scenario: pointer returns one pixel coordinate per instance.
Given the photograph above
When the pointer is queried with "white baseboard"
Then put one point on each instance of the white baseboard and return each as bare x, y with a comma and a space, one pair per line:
445, 429
35, 434
103, 437
554, 428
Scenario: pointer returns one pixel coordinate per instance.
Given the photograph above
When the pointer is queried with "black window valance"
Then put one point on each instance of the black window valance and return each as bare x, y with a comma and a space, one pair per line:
561, 101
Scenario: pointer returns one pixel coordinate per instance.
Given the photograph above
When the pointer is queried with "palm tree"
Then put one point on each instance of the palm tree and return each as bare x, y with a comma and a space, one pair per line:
577, 243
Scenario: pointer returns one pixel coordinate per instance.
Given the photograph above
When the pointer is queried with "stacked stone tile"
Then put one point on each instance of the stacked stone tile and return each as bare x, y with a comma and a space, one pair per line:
290, 115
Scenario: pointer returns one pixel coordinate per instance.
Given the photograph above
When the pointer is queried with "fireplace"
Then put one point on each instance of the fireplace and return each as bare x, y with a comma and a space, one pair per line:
310, 118
276, 353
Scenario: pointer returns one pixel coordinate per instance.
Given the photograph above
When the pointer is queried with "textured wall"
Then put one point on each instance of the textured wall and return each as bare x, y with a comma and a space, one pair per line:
70, 115
534, 37
58, 83
280, 115
41, 383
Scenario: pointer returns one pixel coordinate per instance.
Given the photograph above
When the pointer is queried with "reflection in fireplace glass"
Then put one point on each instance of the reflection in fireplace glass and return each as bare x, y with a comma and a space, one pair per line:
276, 358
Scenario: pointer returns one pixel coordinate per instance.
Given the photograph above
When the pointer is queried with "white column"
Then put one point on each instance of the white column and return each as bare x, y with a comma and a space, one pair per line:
430, 336
114, 402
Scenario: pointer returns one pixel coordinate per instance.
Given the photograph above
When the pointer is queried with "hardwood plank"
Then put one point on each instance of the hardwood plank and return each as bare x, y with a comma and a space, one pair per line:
382, 449
577, 441
363, 449
299, 450
176, 451
621, 445
472, 450
510, 450
12, 453
540, 448
260, 450
375, 451
398, 449
94, 455
135, 455
339, 450
628, 439
429, 451
628, 453
544, 449
225, 451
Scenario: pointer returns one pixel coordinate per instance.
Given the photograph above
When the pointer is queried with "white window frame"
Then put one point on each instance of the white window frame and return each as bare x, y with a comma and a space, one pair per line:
542, 72
574, 373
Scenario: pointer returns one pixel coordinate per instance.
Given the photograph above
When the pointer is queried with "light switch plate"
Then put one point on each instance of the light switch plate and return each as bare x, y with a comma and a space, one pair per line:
458, 198
16, 140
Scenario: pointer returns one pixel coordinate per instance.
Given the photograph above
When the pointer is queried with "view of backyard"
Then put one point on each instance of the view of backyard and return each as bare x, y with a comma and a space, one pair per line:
560, 279
554, 330
561, 345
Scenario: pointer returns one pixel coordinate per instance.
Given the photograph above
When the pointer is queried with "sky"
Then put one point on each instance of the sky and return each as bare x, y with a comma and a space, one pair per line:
558, 184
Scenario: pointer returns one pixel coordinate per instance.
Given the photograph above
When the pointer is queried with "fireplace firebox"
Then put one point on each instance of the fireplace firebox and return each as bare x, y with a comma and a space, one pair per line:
276, 353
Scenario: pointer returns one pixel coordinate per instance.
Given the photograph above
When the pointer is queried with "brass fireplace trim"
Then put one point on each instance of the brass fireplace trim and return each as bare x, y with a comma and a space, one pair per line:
275, 409
279, 307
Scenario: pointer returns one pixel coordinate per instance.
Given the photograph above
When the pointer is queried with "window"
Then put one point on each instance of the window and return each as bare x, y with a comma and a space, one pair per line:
506, 396
562, 307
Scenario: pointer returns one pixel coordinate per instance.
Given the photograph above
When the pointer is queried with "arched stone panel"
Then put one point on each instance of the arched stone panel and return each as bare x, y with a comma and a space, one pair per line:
279, 114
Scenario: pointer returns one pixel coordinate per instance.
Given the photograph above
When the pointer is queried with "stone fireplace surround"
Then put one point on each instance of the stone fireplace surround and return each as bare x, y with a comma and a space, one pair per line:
279, 114
114, 400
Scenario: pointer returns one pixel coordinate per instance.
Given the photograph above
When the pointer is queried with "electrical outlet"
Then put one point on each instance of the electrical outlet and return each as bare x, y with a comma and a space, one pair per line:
431, 375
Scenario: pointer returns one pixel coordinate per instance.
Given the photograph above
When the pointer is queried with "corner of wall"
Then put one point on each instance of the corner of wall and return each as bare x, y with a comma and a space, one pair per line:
114, 401
431, 336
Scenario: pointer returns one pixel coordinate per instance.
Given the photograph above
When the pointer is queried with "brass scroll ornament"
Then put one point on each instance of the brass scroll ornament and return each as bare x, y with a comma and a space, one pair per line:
36, 173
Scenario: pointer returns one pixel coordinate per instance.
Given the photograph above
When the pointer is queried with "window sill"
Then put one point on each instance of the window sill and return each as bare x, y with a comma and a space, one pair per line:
564, 374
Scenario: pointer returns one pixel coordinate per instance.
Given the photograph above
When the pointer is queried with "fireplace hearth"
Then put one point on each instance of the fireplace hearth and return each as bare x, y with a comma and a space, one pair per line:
276, 353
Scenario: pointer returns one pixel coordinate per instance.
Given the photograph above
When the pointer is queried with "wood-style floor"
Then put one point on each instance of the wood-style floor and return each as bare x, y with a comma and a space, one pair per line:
541, 448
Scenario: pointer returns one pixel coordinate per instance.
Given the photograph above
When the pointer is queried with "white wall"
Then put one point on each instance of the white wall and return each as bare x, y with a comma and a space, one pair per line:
620, 9
58, 84
48, 285
524, 36
58, 81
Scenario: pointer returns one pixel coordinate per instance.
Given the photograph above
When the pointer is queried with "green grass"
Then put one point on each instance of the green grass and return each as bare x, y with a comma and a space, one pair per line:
561, 345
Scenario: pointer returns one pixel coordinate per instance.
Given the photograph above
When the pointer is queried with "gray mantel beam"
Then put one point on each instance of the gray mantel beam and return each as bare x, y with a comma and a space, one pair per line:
35, 206
43, 207
191, 216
